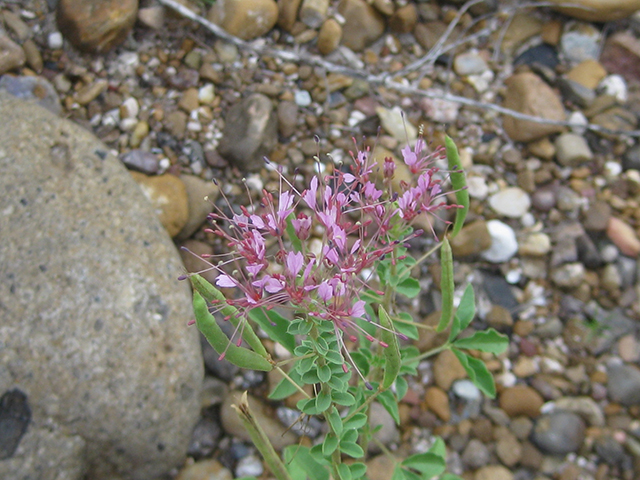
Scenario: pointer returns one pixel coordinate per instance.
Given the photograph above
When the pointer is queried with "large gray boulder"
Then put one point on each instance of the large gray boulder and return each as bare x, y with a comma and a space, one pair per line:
92, 320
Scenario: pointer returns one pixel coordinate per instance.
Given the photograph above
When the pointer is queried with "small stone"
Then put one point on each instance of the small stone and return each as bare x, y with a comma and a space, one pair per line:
569, 275
503, 242
499, 318
205, 470
543, 199
152, 17
588, 73
287, 118
580, 42
388, 434
363, 24
623, 384
404, 19
313, 12
438, 402
249, 466
246, 19
140, 132
572, 150
189, 100
202, 195
168, 195
624, 237
90, 92
521, 400
493, 472
597, 216
140, 160
629, 348
476, 454
288, 13
207, 94
535, 244
529, 94
33, 56
521, 27
329, 36
598, 10
473, 239
559, 433
11, 55
477, 187
176, 123
469, 63
511, 202
96, 25
508, 447
55, 40
205, 436
447, 369
586, 407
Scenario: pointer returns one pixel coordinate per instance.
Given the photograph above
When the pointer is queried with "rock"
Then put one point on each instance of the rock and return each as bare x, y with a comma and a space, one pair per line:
388, 434
522, 27
205, 437
278, 435
395, 123
521, 400
576, 93
249, 466
329, 36
543, 54
447, 369
55, 41
21, 30
404, 19
503, 242
202, 195
623, 384
588, 73
363, 24
205, 470
94, 323
36, 89
580, 42
168, 196
11, 55
438, 402
473, 239
597, 216
141, 161
559, 433
616, 118
33, 56
527, 93
493, 472
499, 318
569, 275
246, 19
599, 10
476, 454
91, 91
508, 447
586, 407
287, 118
189, 100
176, 123
623, 236
380, 468
511, 202
535, 244
288, 13
313, 12
96, 25
152, 17
469, 63
572, 150
250, 132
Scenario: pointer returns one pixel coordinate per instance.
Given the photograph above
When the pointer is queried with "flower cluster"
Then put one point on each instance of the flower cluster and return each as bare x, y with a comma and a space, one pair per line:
360, 219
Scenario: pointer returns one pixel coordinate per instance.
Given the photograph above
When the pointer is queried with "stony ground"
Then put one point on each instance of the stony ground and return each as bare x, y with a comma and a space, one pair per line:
551, 242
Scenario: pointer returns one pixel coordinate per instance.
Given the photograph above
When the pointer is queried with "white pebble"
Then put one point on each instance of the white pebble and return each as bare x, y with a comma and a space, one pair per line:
254, 182
511, 202
503, 242
249, 466
616, 86
206, 94
580, 121
302, 98
54, 40
477, 187
612, 169
129, 108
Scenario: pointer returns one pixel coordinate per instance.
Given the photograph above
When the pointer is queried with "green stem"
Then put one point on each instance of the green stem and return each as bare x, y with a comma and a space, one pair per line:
429, 353
261, 440
428, 254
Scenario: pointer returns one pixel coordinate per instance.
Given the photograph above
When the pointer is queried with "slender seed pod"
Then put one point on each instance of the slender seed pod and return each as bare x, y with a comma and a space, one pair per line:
446, 285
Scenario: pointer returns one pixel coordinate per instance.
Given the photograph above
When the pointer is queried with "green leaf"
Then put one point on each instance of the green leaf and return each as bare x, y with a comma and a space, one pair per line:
358, 469
308, 406
214, 296
428, 464
322, 346
349, 436
465, 313
409, 287
329, 445
446, 285
398, 473
275, 325
359, 420
409, 475
301, 458
459, 184
335, 421
405, 325
299, 326
391, 352
344, 471
478, 373
310, 377
239, 356
324, 373
485, 341
285, 388
343, 398
323, 401
305, 364
389, 402
362, 362
450, 476
401, 388
439, 448
352, 449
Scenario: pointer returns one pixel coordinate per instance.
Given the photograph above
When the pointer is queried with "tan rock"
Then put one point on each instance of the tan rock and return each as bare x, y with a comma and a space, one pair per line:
363, 24
624, 237
493, 472
205, 470
471, 240
438, 402
32, 55
404, 19
90, 92
189, 100
522, 27
529, 94
588, 73
288, 13
329, 36
521, 400
168, 195
447, 369
11, 55
313, 12
96, 25
246, 19
599, 10
202, 194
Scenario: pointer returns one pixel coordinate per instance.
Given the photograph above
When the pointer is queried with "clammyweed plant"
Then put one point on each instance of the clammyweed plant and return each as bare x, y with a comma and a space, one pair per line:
346, 336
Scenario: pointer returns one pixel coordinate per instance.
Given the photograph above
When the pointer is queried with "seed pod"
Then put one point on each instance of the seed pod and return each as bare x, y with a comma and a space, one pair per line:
391, 352
459, 184
446, 285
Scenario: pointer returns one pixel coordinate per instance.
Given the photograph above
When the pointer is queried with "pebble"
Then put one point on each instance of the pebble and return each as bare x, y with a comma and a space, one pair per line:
493, 472
511, 202
597, 216
33, 56
438, 402
473, 239
521, 400
329, 36
581, 42
503, 242
535, 244
205, 437
363, 24
559, 433
11, 55
598, 10
615, 86
396, 124
508, 447
168, 194
469, 63
55, 40
202, 195
91, 91
32, 88
152, 17
527, 93
205, 470
623, 384
249, 466
569, 275
572, 150
586, 407
246, 19
386, 435
476, 454
287, 118
141, 161
404, 19
623, 236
